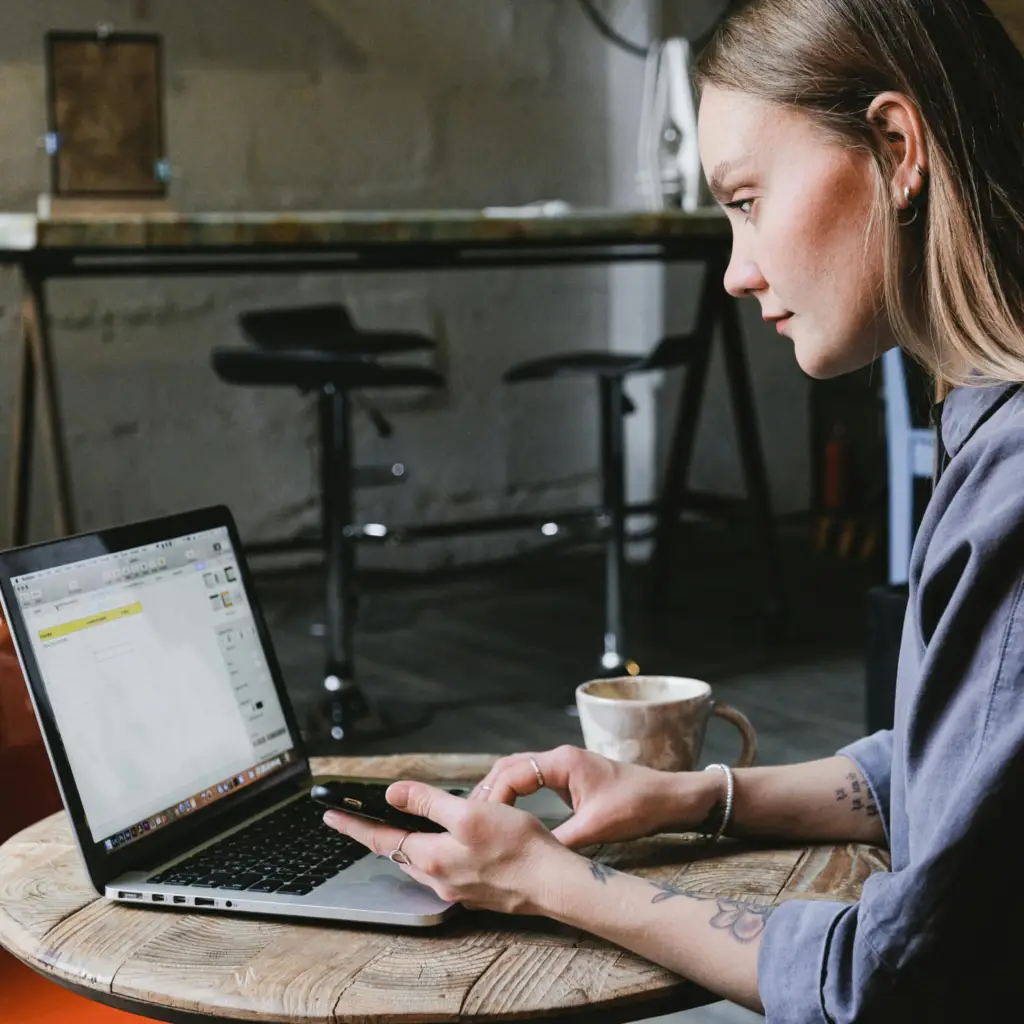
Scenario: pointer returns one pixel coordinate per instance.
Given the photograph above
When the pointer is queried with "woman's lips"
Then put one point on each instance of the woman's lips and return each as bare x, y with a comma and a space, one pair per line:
780, 325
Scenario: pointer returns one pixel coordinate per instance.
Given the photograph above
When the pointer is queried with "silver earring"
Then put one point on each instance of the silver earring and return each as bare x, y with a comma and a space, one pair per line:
913, 202
910, 206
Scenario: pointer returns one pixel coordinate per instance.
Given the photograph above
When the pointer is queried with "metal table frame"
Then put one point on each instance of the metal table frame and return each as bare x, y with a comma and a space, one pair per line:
449, 241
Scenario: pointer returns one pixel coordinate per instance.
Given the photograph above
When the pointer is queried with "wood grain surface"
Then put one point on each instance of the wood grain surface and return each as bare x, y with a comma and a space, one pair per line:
476, 966
339, 229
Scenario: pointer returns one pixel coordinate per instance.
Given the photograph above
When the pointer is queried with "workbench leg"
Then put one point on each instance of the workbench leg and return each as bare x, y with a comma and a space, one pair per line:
755, 472
23, 433
677, 469
37, 334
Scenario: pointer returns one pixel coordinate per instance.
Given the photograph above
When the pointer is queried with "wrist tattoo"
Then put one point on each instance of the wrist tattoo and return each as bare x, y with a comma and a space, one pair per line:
858, 793
745, 920
601, 871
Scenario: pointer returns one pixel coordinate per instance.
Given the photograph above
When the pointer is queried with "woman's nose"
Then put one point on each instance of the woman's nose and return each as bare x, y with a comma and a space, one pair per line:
743, 277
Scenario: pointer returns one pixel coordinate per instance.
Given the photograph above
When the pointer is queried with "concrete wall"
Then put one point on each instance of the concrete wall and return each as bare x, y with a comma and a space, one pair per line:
361, 104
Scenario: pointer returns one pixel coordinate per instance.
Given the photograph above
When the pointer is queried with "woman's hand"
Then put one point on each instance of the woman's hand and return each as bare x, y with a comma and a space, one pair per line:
493, 857
611, 801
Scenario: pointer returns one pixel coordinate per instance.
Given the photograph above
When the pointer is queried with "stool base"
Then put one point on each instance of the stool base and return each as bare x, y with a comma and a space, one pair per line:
346, 717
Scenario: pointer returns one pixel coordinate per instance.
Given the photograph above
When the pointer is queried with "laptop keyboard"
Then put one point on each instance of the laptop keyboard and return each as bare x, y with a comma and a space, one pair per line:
290, 852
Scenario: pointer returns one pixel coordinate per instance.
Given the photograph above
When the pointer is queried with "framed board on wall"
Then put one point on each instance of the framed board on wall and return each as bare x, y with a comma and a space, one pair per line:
106, 131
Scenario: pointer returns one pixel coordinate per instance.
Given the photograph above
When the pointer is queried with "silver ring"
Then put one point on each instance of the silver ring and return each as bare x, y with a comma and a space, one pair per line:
540, 774
488, 788
397, 855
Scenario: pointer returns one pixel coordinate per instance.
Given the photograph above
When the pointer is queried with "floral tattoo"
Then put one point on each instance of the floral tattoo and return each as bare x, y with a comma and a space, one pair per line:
745, 920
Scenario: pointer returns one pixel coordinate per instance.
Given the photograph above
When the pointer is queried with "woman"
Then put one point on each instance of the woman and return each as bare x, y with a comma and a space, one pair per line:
870, 157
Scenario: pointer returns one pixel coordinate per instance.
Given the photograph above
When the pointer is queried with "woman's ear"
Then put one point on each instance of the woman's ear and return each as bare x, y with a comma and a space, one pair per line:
897, 122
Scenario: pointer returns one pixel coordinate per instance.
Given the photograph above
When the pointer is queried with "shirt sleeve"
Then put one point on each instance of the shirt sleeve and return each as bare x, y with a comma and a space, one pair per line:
934, 942
873, 756
937, 939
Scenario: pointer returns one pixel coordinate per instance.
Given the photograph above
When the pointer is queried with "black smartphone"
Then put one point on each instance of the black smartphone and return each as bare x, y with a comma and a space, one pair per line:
366, 800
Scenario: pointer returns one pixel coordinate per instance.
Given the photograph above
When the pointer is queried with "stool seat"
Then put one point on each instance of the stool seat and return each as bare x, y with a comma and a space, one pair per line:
308, 370
575, 364
329, 327
673, 350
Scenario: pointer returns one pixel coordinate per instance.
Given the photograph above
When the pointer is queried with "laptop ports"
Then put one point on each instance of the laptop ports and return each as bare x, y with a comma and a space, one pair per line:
122, 895
180, 899
156, 898
205, 901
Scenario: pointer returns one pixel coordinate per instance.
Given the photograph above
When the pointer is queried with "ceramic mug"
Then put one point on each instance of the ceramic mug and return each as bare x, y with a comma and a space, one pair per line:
657, 721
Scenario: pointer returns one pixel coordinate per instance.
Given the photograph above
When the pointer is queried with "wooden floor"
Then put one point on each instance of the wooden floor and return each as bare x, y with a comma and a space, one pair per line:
497, 651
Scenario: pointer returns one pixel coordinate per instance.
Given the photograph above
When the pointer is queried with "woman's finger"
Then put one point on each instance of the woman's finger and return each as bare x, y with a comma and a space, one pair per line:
518, 779
419, 847
444, 808
381, 839
575, 832
484, 788
525, 774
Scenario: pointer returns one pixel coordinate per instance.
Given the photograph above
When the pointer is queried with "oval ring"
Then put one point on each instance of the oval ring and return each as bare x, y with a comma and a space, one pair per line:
398, 855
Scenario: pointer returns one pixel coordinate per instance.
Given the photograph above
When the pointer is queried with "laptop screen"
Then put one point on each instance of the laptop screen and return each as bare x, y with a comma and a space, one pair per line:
157, 679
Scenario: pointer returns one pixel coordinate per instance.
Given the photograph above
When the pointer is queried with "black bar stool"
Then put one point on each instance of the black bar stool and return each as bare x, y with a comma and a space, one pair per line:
342, 366
329, 327
612, 369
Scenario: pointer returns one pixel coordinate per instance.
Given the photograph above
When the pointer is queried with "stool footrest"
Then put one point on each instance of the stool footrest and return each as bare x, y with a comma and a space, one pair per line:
379, 476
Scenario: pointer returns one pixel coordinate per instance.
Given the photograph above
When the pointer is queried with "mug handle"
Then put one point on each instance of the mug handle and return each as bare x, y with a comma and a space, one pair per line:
740, 720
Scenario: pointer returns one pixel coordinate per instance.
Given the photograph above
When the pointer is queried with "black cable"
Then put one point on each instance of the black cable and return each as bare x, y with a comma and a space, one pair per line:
598, 20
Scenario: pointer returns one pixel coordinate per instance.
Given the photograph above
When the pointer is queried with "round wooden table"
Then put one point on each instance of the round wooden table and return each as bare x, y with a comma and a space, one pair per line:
178, 966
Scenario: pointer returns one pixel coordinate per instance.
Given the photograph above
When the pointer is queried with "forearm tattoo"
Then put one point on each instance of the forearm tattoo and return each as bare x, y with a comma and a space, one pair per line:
858, 794
745, 920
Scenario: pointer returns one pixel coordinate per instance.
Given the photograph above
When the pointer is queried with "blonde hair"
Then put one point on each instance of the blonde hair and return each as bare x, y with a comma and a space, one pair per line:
954, 279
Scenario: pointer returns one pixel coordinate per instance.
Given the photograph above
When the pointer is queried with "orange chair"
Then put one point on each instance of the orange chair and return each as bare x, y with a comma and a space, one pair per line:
28, 793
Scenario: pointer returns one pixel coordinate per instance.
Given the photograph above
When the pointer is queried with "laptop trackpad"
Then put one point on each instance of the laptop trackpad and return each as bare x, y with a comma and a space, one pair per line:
383, 886
546, 805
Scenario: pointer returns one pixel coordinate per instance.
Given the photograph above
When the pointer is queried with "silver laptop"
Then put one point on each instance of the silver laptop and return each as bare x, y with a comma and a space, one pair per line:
171, 735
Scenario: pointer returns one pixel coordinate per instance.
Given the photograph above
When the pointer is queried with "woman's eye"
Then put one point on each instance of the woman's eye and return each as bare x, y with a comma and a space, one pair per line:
745, 206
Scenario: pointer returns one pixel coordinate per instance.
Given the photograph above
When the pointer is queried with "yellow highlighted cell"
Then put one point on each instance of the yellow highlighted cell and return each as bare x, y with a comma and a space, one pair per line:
76, 625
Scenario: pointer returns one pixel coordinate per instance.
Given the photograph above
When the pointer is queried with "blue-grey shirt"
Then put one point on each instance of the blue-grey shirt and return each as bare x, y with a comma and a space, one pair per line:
941, 937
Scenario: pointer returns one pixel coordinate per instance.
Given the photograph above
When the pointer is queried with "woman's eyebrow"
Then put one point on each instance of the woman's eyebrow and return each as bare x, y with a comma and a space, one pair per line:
716, 183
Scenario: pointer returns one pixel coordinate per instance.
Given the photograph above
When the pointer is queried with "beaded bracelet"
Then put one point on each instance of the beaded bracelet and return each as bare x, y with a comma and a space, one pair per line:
730, 786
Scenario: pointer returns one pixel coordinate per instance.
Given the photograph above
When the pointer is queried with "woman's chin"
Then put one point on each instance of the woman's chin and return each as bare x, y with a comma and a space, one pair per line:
822, 363
815, 365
